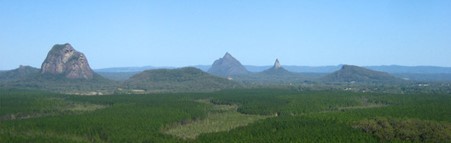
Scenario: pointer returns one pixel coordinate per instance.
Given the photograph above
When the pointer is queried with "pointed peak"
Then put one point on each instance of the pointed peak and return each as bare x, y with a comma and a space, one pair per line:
226, 66
227, 54
277, 64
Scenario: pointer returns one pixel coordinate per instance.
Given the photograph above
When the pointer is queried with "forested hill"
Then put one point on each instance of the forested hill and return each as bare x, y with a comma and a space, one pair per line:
186, 79
350, 73
20, 73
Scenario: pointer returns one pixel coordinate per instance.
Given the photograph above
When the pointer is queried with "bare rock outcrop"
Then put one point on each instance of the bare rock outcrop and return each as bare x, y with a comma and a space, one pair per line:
227, 66
277, 69
64, 60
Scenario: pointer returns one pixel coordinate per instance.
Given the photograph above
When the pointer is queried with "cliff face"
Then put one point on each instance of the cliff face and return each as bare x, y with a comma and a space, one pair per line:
63, 59
277, 69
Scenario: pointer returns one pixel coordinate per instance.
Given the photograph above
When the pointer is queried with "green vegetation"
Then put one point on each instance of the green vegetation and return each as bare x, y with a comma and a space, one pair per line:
219, 118
350, 73
117, 76
187, 79
60, 84
239, 115
389, 129
33, 104
20, 73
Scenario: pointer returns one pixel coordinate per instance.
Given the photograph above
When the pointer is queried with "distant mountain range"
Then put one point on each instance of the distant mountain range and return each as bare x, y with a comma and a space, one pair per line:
273, 75
66, 70
418, 73
394, 69
132, 69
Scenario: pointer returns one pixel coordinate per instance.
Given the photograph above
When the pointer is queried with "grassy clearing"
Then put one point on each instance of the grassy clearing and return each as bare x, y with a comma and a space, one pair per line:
57, 106
36, 136
363, 106
220, 118
84, 107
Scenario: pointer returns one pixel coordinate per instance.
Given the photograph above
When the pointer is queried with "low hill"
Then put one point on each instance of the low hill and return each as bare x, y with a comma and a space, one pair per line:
350, 73
187, 79
22, 72
117, 76
97, 85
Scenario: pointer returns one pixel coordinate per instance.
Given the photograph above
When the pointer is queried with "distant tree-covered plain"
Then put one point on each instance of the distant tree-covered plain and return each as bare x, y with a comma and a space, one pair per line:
236, 115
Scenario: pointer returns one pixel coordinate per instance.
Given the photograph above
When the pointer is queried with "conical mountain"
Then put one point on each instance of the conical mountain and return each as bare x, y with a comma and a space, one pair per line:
350, 73
227, 66
274, 75
64, 60
187, 79
277, 69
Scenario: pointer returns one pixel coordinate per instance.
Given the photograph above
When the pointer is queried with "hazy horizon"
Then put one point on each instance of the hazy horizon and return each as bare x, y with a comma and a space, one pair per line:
187, 33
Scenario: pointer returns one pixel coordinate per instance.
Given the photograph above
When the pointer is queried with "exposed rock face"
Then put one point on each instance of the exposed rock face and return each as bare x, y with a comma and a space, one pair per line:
227, 66
277, 69
63, 59
277, 64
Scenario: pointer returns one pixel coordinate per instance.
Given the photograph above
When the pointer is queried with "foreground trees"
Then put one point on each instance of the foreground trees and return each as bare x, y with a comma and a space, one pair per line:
316, 116
413, 130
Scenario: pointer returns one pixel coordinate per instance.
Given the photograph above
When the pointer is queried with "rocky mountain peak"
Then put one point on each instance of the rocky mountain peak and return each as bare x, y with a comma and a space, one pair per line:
227, 66
63, 59
277, 64
228, 56
277, 69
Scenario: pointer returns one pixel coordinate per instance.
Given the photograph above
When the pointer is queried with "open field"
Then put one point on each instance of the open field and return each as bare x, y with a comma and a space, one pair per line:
220, 118
240, 115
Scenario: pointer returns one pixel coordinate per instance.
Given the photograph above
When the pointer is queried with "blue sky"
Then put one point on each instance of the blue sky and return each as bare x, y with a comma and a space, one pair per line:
256, 32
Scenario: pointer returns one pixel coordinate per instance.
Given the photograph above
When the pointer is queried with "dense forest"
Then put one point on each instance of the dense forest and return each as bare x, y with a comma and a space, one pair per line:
239, 115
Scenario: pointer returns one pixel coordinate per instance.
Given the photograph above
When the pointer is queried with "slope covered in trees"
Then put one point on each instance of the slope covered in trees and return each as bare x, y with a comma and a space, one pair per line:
187, 79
